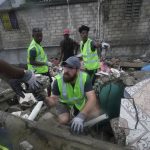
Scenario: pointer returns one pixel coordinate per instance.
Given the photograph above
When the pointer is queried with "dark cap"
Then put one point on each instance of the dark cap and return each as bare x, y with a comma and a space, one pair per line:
72, 62
84, 28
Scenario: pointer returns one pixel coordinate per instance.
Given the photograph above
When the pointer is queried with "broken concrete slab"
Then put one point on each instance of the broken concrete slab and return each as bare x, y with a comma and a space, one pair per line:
4, 106
49, 135
14, 108
138, 128
132, 64
6, 94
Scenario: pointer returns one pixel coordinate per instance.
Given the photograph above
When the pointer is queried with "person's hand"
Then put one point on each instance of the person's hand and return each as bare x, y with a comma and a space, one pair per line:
17, 88
31, 80
49, 64
77, 124
105, 45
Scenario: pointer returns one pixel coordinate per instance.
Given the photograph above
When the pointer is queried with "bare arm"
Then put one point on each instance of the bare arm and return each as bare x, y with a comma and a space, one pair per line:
52, 100
10, 71
95, 45
36, 63
33, 61
90, 104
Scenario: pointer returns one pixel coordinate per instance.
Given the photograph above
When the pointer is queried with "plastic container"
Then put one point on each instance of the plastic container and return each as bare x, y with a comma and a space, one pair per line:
109, 96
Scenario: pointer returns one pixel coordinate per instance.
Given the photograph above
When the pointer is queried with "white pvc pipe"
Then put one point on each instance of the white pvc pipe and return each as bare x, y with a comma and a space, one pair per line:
35, 111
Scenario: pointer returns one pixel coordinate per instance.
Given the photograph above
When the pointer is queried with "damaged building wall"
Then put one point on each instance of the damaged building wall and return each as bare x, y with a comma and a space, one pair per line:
124, 23
127, 27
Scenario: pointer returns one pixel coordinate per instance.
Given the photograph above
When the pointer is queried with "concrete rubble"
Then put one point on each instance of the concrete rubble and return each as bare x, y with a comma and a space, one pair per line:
48, 134
45, 132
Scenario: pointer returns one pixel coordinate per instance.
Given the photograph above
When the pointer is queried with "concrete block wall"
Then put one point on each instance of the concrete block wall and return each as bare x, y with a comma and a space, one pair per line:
127, 37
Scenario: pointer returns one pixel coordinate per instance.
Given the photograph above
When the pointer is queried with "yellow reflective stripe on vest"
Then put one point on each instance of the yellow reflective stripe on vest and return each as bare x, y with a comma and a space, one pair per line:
89, 55
3, 148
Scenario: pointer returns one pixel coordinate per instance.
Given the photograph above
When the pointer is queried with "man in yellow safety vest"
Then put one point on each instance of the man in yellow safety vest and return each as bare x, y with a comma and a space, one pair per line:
36, 58
88, 49
73, 90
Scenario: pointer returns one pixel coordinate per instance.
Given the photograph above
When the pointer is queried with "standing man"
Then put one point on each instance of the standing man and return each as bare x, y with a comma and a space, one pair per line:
68, 46
73, 90
89, 53
36, 57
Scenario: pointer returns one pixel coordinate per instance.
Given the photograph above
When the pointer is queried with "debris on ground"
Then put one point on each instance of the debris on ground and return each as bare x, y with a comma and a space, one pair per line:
126, 73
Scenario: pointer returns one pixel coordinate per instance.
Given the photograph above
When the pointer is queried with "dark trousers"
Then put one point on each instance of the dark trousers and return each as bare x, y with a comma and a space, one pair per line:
92, 75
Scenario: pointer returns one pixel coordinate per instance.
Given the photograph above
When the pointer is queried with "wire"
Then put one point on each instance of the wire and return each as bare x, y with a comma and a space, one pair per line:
69, 16
99, 33
136, 111
70, 26
98, 21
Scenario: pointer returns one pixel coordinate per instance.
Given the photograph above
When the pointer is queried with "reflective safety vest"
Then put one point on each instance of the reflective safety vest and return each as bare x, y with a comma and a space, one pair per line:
40, 56
3, 148
90, 58
73, 96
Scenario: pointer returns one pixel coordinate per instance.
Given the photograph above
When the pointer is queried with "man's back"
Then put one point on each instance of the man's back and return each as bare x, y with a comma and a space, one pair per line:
68, 47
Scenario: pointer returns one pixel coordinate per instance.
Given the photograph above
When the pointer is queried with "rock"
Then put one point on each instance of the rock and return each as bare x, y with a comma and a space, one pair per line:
4, 106
132, 64
140, 75
46, 116
25, 145
25, 105
129, 81
6, 94
14, 108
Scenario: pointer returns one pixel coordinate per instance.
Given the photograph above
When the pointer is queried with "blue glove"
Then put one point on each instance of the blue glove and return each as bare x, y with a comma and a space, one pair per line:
77, 124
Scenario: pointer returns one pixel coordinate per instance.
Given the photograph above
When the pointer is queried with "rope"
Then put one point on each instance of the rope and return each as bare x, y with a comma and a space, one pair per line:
69, 18
101, 25
98, 20
99, 34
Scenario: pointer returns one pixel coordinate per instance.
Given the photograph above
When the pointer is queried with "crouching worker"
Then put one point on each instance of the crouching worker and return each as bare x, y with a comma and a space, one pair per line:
72, 90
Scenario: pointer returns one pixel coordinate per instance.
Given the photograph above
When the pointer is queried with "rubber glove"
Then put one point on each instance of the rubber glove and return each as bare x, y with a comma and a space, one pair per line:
77, 124
49, 64
17, 88
31, 80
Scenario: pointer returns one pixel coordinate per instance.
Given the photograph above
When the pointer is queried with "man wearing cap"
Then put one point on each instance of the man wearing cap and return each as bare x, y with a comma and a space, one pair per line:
73, 90
68, 46
89, 53
36, 58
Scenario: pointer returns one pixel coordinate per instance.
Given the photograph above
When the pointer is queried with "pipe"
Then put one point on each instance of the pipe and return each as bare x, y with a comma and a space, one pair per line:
35, 111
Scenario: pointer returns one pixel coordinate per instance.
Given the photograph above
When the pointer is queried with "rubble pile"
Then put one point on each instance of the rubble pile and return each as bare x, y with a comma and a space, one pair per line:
44, 127
18, 106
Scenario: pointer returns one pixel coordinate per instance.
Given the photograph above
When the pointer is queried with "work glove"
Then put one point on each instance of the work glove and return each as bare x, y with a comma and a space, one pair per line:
16, 85
49, 64
77, 124
30, 79
105, 45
